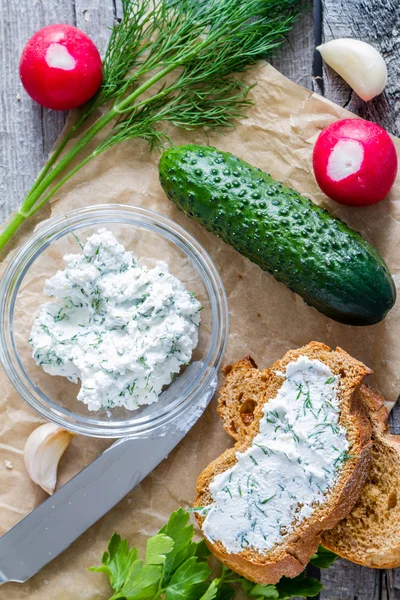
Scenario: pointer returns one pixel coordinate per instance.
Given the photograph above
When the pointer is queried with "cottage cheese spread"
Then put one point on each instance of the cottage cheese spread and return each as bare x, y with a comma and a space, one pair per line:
124, 330
289, 468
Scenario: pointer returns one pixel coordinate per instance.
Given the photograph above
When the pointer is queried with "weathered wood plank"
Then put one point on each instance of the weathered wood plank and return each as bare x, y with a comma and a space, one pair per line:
394, 420
390, 585
376, 22
345, 581
295, 58
96, 17
118, 8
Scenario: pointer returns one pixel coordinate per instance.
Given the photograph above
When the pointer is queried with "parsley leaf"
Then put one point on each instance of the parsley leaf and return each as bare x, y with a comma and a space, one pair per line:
144, 582
181, 533
184, 580
264, 591
211, 591
323, 559
202, 550
141, 583
255, 590
157, 549
298, 586
226, 592
176, 568
117, 562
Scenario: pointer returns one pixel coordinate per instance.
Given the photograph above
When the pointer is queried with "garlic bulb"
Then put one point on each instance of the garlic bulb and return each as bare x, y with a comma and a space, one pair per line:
359, 63
43, 450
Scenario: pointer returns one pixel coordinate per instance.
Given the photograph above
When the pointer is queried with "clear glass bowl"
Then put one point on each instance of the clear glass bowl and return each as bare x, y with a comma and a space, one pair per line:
151, 237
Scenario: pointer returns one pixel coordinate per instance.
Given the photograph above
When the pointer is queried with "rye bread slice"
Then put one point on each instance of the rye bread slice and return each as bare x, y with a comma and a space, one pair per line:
370, 534
241, 402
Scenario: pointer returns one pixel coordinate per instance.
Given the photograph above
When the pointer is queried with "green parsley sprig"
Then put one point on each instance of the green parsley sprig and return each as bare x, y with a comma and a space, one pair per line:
176, 568
168, 61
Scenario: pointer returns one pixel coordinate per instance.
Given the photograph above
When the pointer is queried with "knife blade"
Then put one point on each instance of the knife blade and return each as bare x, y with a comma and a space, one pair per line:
56, 523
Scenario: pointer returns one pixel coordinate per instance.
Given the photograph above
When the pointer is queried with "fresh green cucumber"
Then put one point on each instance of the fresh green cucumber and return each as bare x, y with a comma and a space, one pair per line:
315, 254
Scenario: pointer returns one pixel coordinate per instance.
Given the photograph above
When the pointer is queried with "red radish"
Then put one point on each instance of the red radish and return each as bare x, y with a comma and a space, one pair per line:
60, 67
355, 162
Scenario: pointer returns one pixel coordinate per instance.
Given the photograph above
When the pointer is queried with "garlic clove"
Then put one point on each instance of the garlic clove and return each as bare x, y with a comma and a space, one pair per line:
359, 63
43, 450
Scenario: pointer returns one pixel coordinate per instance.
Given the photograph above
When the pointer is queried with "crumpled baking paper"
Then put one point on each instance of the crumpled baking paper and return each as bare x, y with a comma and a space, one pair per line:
266, 320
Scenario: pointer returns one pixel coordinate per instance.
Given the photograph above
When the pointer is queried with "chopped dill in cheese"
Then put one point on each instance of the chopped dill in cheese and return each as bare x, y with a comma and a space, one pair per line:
290, 467
120, 328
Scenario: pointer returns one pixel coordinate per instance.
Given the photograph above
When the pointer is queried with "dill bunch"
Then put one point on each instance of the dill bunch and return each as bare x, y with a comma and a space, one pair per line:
167, 61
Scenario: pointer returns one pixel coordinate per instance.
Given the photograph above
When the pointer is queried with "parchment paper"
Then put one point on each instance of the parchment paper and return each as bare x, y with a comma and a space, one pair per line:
266, 320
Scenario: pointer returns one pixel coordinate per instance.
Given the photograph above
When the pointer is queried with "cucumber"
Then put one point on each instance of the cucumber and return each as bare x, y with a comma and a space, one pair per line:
302, 245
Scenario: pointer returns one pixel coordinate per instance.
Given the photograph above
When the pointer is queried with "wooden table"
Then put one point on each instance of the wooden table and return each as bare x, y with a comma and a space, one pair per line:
27, 133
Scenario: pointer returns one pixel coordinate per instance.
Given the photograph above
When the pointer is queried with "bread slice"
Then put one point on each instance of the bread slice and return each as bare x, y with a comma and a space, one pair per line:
241, 403
370, 534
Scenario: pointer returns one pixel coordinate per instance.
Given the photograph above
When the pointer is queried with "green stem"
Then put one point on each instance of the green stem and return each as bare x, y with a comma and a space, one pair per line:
145, 86
32, 198
30, 204
10, 229
160, 589
54, 189
53, 157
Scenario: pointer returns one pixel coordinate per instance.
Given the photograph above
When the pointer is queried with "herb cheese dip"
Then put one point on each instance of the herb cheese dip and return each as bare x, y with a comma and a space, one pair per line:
289, 468
120, 328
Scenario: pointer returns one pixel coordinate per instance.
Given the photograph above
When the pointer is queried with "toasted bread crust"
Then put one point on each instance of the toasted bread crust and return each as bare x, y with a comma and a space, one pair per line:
237, 403
370, 534
249, 387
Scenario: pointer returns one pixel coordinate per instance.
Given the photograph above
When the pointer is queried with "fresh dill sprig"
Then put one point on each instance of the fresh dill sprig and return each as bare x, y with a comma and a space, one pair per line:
167, 61
267, 499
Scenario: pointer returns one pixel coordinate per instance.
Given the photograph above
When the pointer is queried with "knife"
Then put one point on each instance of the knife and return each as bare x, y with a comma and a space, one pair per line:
57, 522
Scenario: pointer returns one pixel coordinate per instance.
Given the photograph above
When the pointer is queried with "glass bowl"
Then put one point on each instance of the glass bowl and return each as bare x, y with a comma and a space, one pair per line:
151, 237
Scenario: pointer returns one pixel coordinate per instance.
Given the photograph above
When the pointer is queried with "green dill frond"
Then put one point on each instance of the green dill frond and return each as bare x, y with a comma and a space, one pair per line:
202, 44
